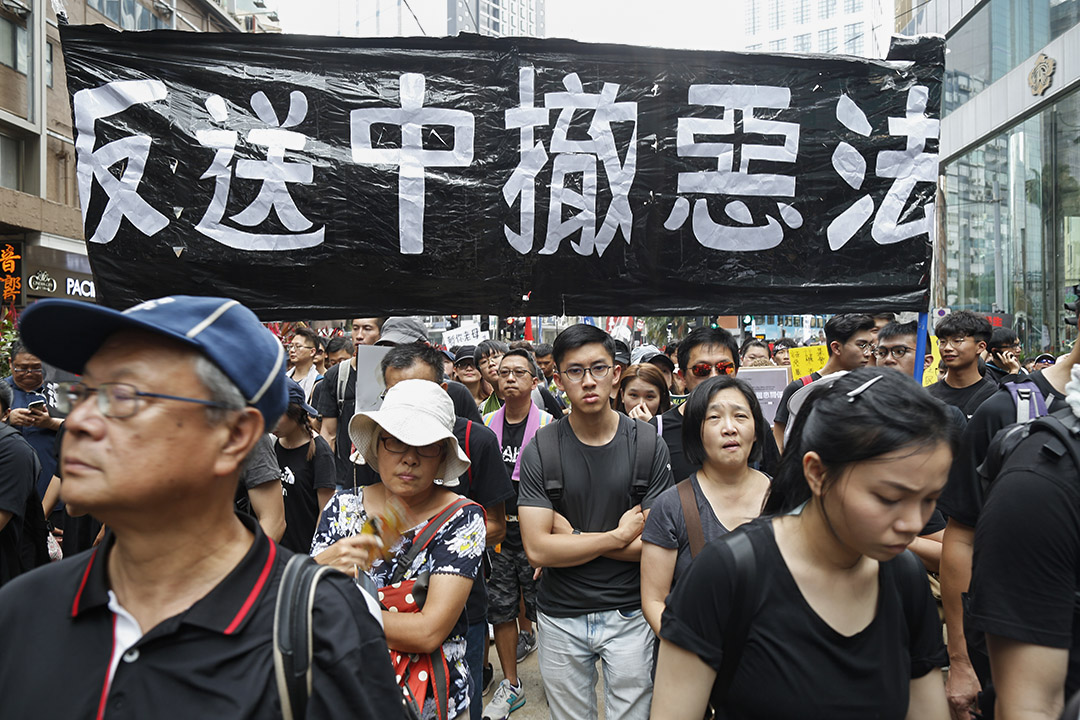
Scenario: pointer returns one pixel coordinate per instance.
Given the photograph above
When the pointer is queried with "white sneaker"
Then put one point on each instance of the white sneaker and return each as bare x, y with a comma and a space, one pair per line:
506, 700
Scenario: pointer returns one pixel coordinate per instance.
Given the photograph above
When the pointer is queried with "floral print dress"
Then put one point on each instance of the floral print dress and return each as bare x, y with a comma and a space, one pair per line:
455, 550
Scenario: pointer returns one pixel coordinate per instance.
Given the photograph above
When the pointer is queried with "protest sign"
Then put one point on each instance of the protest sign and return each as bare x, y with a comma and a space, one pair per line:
768, 384
518, 176
807, 360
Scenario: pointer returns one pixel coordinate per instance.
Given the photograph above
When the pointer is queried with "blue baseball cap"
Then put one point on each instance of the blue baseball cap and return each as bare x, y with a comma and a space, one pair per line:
298, 397
226, 332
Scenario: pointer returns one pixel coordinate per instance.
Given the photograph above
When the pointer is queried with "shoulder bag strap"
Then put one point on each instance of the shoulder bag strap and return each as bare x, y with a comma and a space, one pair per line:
424, 538
293, 634
645, 439
468, 452
691, 517
738, 623
547, 443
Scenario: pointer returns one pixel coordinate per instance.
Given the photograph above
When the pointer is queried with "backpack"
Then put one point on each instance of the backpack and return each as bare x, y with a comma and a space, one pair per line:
1063, 427
643, 440
806, 380
34, 545
1027, 398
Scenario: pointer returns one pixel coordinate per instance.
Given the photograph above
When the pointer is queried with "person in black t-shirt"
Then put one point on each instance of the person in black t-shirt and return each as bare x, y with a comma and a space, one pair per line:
850, 338
308, 472
962, 336
1026, 575
839, 621
18, 473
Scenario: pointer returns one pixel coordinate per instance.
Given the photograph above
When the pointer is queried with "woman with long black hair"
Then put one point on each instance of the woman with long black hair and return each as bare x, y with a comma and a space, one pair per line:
822, 614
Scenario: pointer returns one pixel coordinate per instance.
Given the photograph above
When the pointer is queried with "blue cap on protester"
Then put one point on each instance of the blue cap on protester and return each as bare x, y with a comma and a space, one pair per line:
298, 397
226, 332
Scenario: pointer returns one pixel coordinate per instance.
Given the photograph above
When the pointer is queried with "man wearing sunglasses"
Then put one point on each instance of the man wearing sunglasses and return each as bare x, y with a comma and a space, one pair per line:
850, 338
175, 608
587, 537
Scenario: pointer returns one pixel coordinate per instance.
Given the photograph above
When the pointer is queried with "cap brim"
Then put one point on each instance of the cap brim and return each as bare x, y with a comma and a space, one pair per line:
662, 360
67, 333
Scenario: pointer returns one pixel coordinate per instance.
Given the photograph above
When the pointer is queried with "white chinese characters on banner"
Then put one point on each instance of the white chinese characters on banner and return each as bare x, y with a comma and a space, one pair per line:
122, 192
467, 334
733, 179
907, 168
572, 157
411, 158
274, 173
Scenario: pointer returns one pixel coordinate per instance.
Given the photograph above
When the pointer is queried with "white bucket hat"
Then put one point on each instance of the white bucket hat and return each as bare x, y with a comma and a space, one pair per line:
418, 413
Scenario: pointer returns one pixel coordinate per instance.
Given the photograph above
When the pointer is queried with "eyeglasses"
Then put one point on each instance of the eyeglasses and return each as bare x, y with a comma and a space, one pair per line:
115, 400
26, 370
704, 369
294, 346
464, 363
519, 373
954, 341
577, 373
395, 446
865, 347
897, 351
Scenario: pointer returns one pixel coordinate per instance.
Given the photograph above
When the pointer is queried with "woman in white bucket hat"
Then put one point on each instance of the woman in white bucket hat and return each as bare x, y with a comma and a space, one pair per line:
410, 443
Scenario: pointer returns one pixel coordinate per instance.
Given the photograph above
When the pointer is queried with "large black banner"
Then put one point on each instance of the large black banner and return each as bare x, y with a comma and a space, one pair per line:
326, 177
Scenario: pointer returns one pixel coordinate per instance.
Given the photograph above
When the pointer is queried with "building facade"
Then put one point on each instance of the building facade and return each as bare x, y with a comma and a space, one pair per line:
846, 27
1009, 224
40, 221
398, 18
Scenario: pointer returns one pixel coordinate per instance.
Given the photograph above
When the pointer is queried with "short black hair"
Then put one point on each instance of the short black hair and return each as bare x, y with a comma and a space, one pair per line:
754, 342
489, 347
841, 328
707, 336
579, 335
522, 345
697, 408
6, 397
1002, 337
888, 317
337, 344
895, 329
17, 348
964, 322
784, 342
542, 350
403, 357
308, 334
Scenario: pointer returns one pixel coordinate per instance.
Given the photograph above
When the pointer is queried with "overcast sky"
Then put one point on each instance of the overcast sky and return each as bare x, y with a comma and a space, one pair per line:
697, 24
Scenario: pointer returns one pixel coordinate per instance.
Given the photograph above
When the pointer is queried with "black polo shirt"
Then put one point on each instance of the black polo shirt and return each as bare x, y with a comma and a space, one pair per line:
214, 660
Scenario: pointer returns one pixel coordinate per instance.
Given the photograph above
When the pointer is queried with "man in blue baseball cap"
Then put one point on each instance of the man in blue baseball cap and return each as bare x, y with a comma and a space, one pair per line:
175, 608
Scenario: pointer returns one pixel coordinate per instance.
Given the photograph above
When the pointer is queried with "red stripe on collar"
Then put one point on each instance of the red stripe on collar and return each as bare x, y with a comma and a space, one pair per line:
246, 607
82, 585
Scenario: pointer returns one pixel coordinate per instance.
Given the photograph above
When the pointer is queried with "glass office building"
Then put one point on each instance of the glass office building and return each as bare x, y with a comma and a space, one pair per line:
1009, 223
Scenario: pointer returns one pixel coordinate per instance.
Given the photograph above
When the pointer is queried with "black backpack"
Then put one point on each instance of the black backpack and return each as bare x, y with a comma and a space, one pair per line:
643, 440
1063, 428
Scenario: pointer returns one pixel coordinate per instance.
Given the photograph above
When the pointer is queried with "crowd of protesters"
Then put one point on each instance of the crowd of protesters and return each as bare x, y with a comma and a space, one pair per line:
615, 509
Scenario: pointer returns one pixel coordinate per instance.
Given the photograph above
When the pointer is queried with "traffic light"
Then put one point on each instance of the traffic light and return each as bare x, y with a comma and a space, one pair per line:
1074, 290
747, 321
454, 321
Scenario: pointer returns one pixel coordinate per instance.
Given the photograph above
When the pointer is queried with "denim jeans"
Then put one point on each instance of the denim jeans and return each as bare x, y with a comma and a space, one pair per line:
569, 649
476, 636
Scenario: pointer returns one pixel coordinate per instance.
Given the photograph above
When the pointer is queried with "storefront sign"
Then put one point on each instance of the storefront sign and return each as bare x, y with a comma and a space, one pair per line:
11, 272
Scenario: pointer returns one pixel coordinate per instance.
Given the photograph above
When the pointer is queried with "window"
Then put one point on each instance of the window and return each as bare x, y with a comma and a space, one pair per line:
801, 12
826, 9
776, 14
753, 20
10, 162
826, 40
778, 45
14, 46
801, 43
754, 48
853, 39
48, 64
853, 6
127, 14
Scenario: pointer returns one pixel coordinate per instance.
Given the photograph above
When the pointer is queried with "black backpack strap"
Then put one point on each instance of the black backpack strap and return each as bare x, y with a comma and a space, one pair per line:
738, 623
644, 440
424, 538
292, 634
547, 444
1065, 427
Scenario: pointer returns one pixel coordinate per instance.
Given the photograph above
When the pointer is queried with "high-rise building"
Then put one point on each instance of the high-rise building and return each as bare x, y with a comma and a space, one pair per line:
40, 220
1009, 228
847, 27
404, 18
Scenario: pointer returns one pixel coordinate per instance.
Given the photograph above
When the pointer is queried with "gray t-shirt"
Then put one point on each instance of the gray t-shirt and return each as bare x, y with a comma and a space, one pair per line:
666, 526
596, 493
